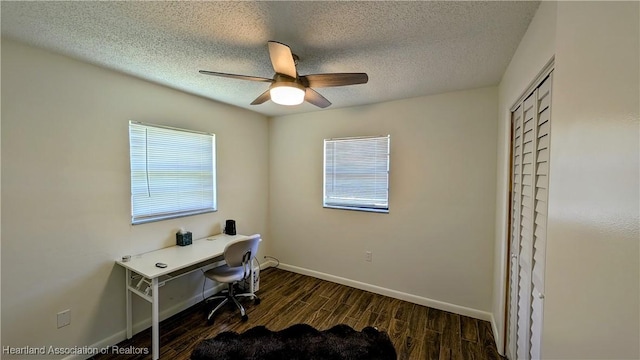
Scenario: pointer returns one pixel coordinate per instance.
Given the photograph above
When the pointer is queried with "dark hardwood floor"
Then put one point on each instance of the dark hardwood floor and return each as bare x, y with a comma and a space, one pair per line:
418, 332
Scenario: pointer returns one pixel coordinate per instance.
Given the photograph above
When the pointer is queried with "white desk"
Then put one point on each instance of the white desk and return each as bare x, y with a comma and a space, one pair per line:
143, 277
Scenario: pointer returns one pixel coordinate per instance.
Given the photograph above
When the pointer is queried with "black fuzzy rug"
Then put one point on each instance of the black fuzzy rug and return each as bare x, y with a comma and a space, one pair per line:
298, 342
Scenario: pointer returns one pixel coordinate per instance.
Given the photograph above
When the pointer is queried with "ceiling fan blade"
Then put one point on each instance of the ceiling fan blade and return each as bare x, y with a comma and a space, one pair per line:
313, 97
234, 76
265, 96
282, 59
336, 79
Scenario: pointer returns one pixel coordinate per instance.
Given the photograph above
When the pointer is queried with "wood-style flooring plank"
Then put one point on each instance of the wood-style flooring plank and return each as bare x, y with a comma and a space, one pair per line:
397, 331
431, 344
287, 298
337, 315
359, 305
403, 310
469, 329
436, 320
418, 320
415, 345
377, 303
489, 350
471, 350
450, 341
367, 318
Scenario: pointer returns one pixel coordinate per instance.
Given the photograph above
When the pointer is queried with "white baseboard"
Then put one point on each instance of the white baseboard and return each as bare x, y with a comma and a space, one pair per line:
146, 323
164, 314
496, 336
267, 264
440, 305
103, 344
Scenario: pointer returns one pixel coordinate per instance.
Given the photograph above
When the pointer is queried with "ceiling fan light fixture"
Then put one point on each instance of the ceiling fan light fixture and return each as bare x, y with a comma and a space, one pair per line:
287, 87
287, 93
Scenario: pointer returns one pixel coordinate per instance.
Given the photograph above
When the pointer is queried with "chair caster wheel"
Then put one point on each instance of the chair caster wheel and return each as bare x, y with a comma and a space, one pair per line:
245, 318
256, 301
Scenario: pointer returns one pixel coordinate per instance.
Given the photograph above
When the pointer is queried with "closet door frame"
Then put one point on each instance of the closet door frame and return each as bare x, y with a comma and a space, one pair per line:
533, 85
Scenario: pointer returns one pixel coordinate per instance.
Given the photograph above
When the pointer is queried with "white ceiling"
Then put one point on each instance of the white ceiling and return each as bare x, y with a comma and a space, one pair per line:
408, 49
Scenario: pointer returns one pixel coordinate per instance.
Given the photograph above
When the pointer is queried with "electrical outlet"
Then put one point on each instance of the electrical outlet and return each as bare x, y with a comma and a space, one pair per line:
368, 256
64, 318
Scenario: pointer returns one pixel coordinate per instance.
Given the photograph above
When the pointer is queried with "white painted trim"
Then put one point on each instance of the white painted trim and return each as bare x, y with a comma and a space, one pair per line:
166, 313
104, 343
267, 264
146, 323
496, 335
169, 312
440, 305
537, 80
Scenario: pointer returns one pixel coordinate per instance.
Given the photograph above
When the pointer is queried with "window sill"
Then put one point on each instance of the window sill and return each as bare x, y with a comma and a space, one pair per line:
354, 208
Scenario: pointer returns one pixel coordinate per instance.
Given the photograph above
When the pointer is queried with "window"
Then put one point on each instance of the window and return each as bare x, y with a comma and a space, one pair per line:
172, 172
356, 173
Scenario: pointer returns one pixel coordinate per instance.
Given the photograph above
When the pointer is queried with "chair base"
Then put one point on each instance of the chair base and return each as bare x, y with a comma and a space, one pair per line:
228, 295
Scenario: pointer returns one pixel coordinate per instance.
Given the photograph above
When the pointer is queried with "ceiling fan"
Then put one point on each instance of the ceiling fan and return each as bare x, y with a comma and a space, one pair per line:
289, 88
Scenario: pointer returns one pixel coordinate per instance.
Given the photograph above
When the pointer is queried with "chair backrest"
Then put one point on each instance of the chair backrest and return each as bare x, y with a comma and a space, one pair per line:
242, 251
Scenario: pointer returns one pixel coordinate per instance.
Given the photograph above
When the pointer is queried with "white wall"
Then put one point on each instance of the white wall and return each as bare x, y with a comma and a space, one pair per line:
534, 51
65, 192
592, 270
592, 297
436, 243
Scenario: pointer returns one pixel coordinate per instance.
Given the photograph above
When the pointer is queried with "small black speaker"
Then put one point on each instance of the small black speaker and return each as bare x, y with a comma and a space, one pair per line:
230, 227
183, 239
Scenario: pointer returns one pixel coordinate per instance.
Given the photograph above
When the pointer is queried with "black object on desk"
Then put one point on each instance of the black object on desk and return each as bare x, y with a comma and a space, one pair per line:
230, 227
183, 239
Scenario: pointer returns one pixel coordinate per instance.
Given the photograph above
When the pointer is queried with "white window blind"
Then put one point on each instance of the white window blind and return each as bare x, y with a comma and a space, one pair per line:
356, 173
172, 172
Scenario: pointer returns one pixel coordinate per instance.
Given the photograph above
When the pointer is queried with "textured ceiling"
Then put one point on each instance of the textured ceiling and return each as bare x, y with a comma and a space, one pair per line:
408, 49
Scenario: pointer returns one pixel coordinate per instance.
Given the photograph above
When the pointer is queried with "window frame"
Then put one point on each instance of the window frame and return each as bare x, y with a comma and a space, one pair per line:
175, 213
372, 207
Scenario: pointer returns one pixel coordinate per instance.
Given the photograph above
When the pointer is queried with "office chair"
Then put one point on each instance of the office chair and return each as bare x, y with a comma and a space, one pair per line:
238, 256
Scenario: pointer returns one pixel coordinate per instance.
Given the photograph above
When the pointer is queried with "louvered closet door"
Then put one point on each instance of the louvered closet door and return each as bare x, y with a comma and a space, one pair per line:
530, 179
516, 198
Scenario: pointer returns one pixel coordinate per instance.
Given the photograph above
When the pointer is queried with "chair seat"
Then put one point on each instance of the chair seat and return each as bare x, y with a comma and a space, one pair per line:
225, 274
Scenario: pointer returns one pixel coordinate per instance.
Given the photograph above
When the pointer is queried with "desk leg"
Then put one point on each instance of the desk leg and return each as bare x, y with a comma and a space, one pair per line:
129, 315
155, 331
